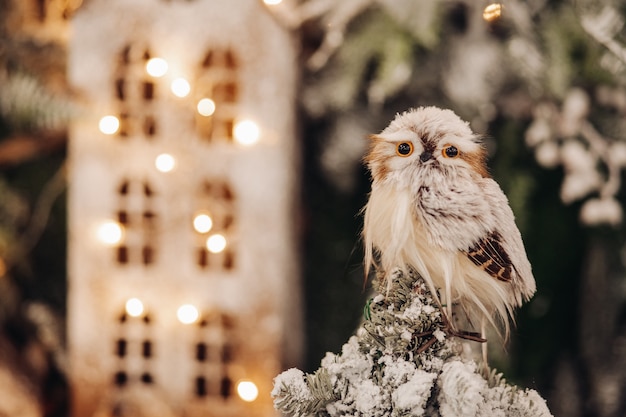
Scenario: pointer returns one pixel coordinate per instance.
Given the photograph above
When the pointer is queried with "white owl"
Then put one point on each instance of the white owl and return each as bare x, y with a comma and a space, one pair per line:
434, 208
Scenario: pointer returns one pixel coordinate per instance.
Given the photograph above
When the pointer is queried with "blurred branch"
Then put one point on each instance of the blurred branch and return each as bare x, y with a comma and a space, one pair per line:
53, 188
21, 148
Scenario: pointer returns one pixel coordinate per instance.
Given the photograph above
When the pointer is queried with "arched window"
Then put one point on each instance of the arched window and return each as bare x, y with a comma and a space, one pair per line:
133, 343
215, 354
136, 213
135, 93
218, 82
215, 226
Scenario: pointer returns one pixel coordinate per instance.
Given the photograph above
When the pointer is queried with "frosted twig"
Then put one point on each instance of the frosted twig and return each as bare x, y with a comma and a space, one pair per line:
51, 191
603, 28
600, 146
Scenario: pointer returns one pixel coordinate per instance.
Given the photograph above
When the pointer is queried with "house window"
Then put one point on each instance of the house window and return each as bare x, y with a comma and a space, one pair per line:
135, 93
136, 213
133, 344
218, 81
215, 239
52, 10
215, 354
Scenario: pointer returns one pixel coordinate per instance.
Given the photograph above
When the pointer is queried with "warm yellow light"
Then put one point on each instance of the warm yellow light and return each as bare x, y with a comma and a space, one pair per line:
206, 107
165, 162
109, 125
247, 390
110, 232
247, 132
180, 87
187, 314
202, 223
492, 12
216, 243
272, 2
134, 307
156, 67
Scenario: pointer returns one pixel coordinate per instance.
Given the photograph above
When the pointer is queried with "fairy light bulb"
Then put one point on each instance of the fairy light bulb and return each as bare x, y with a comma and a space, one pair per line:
492, 12
110, 232
187, 314
202, 223
247, 390
206, 107
165, 162
156, 67
246, 132
134, 307
180, 87
216, 243
109, 125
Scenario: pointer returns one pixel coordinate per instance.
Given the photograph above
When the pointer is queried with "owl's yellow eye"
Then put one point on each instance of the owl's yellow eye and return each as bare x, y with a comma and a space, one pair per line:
450, 151
404, 149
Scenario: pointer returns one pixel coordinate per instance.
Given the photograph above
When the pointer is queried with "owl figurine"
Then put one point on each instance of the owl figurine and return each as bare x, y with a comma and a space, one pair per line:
434, 208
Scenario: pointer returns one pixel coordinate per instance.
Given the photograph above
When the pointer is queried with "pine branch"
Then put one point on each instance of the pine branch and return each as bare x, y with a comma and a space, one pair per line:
27, 105
401, 363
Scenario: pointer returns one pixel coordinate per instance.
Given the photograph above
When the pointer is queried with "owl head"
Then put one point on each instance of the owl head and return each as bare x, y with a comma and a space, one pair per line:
426, 138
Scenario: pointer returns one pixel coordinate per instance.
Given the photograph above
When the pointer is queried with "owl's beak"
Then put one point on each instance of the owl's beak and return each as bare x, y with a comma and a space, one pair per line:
425, 156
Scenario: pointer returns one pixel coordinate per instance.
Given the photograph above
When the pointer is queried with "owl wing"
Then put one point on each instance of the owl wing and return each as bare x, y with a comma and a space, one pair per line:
500, 251
488, 253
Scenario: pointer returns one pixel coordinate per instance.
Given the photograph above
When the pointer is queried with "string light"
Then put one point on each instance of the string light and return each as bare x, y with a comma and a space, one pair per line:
109, 125
202, 223
247, 390
156, 67
134, 307
272, 2
110, 232
180, 87
206, 107
216, 243
246, 132
492, 12
165, 162
187, 314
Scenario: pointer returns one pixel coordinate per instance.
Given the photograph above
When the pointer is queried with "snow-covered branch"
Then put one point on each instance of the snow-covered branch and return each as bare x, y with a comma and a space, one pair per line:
402, 363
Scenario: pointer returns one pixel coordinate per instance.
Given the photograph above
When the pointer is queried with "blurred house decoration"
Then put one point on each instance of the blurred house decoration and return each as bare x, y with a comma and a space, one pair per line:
183, 281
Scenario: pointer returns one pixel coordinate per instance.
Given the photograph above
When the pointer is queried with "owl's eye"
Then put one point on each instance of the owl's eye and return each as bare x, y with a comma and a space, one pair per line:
450, 151
404, 149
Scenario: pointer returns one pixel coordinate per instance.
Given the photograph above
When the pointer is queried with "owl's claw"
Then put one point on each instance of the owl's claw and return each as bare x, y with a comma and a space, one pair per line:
463, 334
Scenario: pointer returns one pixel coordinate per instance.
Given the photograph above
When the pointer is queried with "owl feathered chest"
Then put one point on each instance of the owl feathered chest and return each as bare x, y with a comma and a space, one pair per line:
448, 210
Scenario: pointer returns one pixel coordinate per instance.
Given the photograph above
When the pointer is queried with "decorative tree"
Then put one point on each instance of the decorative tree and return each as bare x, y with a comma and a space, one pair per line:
546, 79
402, 363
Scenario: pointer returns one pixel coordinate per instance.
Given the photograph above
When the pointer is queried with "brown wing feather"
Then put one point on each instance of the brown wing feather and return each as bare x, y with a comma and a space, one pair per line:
489, 255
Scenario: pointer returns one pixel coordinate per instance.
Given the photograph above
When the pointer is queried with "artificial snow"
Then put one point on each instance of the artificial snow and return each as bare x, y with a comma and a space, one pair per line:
293, 378
401, 363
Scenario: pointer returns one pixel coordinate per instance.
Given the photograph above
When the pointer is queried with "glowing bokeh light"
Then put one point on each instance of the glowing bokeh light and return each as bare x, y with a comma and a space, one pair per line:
247, 132
247, 390
134, 307
187, 314
202, 223
216, 243
206, 107
156, 67
272, 2
165, 162
110, 232
109, 125
492, 12
180, 87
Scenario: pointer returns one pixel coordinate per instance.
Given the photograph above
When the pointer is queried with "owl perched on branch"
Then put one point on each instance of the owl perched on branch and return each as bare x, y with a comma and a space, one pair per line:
434, 208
